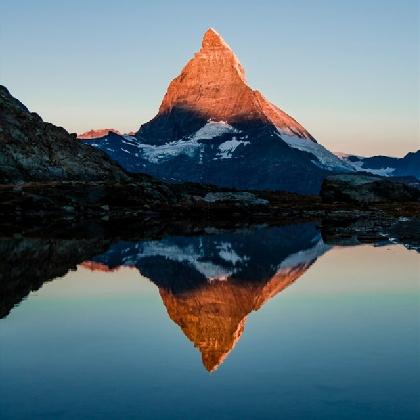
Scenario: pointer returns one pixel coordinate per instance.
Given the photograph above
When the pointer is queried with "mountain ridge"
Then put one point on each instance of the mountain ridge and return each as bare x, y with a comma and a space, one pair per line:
408, 165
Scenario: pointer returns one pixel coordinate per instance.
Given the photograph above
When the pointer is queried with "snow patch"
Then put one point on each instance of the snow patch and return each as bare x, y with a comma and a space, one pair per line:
227, 253
344, 156
358, 166
213, 129
155, 154
188, 255
304, 257
228, 147
188, 146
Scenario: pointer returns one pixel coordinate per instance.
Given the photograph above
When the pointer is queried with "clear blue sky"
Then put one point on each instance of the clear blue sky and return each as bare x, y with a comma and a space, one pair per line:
347, 70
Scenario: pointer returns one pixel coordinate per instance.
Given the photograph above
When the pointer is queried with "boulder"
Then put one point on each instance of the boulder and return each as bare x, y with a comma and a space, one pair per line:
360, 188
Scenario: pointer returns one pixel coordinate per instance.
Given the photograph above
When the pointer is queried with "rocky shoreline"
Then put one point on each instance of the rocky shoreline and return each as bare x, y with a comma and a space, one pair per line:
342, 197
338, 222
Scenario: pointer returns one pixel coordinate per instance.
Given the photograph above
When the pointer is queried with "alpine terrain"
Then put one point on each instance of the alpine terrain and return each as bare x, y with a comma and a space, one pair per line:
213, 128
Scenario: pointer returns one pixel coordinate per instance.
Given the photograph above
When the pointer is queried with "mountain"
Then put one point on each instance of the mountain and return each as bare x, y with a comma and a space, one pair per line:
213, 128
93, 134
409, 165
33, 150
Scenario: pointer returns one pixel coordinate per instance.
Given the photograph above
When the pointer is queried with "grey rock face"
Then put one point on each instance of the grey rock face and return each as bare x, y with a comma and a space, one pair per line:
33, 150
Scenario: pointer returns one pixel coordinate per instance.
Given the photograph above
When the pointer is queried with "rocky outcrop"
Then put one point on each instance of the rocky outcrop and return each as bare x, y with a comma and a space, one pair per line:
33, 150
243, 198
358, 188
95, 199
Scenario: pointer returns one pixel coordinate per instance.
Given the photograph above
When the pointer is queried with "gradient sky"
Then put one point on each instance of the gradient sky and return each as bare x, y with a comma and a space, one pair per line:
347, 70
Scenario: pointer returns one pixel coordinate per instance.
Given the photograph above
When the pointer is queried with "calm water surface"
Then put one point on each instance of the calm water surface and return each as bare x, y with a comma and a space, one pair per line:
263, 323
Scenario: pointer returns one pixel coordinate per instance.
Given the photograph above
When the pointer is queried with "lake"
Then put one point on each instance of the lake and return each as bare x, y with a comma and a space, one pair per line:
262, 322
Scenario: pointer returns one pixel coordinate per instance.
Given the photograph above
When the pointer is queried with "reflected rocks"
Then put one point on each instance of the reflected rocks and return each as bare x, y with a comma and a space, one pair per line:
377, 231
26, 264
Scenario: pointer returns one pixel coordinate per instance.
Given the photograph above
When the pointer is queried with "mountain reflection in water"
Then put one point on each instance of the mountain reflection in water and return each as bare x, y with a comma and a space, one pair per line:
209, 284
341, 342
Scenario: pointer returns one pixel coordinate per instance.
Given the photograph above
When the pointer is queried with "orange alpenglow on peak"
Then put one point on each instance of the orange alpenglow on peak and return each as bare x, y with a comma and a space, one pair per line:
92, 134
212, 39
212, 86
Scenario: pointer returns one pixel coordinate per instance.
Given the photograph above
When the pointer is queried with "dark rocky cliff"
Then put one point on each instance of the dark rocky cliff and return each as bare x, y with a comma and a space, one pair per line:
33, 150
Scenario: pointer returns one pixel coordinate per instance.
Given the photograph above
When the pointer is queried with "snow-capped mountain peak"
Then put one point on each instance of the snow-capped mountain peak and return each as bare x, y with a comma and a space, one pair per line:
213, 128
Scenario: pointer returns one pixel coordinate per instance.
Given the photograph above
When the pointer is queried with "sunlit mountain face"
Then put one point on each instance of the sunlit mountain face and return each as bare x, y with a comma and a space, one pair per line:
209, 284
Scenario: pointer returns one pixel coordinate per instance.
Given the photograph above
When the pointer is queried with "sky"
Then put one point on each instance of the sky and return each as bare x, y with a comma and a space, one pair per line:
346, 70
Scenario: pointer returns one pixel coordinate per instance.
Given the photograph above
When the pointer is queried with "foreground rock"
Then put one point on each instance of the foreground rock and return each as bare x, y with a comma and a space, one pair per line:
144, 196
365, 189
33, 150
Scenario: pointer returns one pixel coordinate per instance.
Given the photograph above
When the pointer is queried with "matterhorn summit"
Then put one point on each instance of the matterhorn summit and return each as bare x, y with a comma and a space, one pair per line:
213, 128
212, 86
